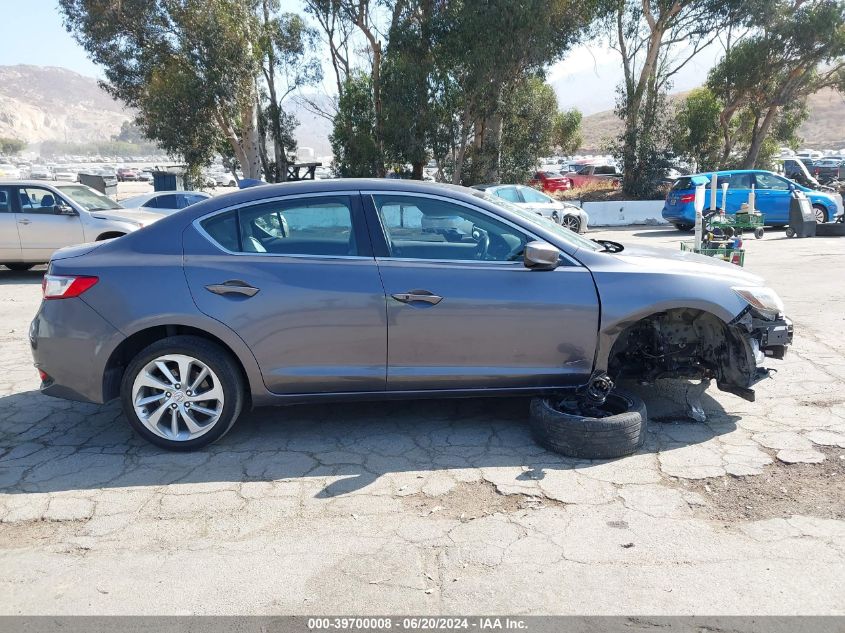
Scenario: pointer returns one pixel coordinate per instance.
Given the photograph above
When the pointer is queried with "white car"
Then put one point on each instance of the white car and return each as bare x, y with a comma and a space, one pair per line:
38, 217
9, 171
564, 213
65, 174
40, 172
224, 179
165, 202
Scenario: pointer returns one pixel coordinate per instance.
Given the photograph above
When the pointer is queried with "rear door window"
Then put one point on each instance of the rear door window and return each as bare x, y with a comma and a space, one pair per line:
5, 199
508, 193
309, 226
769, 181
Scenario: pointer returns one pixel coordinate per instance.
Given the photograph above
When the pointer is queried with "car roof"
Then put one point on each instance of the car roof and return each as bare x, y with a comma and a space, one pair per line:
33, 183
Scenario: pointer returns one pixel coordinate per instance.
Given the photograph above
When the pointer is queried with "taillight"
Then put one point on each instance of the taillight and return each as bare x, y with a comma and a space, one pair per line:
66, 286
687, 197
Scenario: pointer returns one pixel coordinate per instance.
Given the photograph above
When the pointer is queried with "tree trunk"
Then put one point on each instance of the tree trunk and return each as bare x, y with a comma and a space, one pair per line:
492, 148
281, 171
462, 148
759, 136
417, 170
249, 142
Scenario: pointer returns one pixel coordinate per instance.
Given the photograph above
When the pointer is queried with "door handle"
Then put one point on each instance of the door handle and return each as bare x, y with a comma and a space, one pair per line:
233, 287
24, 221
417, 295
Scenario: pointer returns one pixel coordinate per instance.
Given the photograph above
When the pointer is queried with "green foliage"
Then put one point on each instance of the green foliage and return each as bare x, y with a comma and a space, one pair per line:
11, 145
566, 132
764, 80
130, 133
353, 135
529, 113
189, 68
644, 148
696, 136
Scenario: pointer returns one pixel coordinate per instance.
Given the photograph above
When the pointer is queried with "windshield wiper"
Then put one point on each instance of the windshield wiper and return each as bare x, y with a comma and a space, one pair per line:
609, 246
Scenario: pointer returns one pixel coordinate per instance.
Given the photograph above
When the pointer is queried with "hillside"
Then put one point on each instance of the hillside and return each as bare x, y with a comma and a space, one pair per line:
824, 128
48, 103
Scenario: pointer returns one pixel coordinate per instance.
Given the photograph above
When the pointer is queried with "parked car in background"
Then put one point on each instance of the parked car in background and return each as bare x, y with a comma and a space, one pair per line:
593, 173
224, 179
797, 169
827, 170
145, 176
9, 171
218, 308
126, 174
550, 181
64, 173
40, 172
39, 217
165, 202
773, 195
563, 213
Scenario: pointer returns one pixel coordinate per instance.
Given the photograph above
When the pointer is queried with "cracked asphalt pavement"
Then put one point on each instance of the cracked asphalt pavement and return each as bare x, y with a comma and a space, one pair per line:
440, 506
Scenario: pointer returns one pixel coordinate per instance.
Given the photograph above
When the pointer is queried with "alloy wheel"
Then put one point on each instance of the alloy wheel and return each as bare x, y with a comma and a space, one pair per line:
177, 397
572, 223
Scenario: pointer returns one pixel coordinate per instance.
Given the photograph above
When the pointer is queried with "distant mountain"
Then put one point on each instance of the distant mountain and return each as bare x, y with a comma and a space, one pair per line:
41, 103
823, 129
48, 103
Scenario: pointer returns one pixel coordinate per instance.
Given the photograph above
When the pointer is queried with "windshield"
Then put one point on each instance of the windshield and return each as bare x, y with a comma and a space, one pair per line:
565, 234
89, 199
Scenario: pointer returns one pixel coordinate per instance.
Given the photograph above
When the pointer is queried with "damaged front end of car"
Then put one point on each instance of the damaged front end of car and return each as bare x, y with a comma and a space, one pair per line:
688, 343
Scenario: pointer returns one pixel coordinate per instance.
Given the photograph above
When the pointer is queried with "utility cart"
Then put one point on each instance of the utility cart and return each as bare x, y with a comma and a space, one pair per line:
719, 249
730, 225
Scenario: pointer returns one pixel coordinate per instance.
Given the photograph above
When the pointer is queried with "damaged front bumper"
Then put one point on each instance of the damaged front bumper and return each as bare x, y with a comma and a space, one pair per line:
761, 338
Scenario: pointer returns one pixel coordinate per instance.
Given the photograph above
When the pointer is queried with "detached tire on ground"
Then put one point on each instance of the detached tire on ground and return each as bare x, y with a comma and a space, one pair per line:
614, 429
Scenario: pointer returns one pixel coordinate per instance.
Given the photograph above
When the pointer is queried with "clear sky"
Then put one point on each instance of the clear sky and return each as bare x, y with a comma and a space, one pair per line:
32, 33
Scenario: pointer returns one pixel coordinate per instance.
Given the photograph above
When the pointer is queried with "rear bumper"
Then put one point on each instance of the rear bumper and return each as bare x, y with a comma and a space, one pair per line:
678, 216
72, 344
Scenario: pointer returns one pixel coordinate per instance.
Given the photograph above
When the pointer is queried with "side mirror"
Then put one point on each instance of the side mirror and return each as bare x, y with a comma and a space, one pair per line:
63, 209
541, 256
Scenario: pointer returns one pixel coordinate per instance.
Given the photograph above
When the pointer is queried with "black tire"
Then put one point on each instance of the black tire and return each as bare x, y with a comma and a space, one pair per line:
618, 434
759, 233
821, 213
686, 228
217, 359
790, 232
18, 267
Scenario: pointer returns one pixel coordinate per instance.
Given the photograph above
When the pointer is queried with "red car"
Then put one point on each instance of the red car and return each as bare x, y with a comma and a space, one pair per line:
126, 174
550, 181
591, 173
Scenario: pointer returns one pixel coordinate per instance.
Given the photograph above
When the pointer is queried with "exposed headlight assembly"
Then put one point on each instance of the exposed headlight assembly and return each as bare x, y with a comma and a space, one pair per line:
764, 300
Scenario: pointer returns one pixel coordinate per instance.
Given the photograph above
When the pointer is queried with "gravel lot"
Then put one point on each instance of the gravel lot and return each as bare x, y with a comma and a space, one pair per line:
441, 506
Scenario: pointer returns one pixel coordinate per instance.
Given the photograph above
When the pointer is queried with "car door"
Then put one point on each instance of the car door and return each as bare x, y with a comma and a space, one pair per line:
772, 196
739, 188
10, 243
295, 278
463, 312
42, 231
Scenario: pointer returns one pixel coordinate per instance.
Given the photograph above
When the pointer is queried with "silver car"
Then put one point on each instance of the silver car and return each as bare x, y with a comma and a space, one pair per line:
332, 290
165, 202
38, 217
564, 213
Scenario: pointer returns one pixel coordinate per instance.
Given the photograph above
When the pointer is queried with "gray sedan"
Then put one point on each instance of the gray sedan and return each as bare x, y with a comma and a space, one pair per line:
343, 290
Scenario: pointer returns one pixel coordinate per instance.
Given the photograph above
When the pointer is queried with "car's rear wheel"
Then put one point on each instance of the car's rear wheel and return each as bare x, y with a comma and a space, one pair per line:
572, 222
18, 267
613, 429
821, 213
686, 228
182, 393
